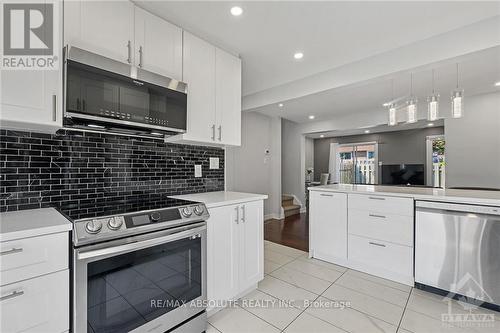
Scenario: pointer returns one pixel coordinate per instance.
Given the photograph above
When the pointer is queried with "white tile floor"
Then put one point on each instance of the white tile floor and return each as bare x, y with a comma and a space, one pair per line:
376, 305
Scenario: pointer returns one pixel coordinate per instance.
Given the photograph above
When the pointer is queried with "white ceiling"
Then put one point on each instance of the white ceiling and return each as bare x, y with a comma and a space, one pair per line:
478, 73
330, 34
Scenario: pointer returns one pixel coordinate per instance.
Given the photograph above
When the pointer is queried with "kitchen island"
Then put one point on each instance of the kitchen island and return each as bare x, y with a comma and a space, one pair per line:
371, 228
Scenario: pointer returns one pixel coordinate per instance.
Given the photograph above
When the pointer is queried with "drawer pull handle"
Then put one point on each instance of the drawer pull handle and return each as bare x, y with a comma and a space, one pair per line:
376, 198
378, 216
326, 195
13, 294
377, 244
11, 251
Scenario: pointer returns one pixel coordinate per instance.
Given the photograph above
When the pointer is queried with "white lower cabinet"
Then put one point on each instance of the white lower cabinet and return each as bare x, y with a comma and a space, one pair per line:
328, 226
40, 304
34, 278
235, 250
381, 258
369, 233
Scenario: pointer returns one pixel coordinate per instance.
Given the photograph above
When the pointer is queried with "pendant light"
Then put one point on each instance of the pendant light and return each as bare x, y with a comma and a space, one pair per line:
433, 103
411, 105
393, 121
457, 101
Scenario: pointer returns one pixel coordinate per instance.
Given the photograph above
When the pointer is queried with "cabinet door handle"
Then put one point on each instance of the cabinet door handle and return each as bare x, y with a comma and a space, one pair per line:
213, 132
243, 214
220, 132
378, 216
13, 294
326, 195
54, 107
237, 215
84, 105
129, 52
376, 198
376, 244
11, 251
140, 56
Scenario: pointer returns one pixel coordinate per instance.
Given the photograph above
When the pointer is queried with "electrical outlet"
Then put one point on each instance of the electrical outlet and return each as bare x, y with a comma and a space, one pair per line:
214, 162
197, 170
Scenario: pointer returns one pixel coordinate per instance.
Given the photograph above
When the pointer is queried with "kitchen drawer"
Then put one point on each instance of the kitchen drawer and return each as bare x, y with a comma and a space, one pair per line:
385, 256
381, 204
36, 305
29, 257
388, 227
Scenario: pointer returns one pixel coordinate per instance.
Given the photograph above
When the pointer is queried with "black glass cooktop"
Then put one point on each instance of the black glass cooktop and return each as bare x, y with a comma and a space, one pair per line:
120, 205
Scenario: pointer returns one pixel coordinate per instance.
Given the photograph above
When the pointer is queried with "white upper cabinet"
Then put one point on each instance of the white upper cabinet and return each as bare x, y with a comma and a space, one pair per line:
228, 97
199, 74
32, 99
158, 45
213, 77
103, 27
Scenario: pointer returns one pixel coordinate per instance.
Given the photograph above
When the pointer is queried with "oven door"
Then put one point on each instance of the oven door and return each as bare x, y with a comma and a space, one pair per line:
148, 283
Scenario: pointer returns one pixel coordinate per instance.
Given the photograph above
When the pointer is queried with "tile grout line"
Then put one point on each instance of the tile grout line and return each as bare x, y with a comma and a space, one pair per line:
404, 310
320, 295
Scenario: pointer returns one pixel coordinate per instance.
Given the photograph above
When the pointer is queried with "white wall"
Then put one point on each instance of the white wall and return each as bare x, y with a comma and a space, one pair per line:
293, 160
249, 169
473, 143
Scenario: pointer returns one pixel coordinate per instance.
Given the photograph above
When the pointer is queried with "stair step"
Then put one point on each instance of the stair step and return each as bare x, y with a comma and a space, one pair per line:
291, 207
291, 212
286, 200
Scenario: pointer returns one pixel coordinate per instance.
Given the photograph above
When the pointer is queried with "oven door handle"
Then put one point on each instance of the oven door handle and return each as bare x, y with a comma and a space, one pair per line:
139, 245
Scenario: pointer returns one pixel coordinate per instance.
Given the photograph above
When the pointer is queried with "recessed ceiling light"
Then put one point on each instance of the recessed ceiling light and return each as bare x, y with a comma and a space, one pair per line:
497, 84
322, 136
311, 117
430, 124
367, 131
236, 11
280, 105
298, 55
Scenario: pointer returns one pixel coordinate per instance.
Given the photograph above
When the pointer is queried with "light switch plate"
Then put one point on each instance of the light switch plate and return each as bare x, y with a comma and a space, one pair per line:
197, 170
214, 162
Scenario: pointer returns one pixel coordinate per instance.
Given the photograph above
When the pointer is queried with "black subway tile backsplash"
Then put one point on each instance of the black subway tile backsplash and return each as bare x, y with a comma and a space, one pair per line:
72, 170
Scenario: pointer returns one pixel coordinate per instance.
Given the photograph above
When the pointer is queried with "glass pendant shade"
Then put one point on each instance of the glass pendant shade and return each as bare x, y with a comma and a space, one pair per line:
411, 110
433, 107
457, 104
392, 115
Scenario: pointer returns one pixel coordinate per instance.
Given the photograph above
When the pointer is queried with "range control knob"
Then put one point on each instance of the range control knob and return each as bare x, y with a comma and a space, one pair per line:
186, 211
198, 210
93, 227
114, 223
155, 216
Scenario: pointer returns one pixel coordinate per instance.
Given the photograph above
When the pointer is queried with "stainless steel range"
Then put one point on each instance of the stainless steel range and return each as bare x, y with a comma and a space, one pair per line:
141, 270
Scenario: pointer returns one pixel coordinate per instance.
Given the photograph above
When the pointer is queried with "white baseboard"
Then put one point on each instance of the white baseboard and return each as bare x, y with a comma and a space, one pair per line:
271, 216
303, 210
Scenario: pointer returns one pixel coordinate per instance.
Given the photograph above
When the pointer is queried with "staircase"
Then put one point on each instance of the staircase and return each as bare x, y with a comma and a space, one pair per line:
288, 206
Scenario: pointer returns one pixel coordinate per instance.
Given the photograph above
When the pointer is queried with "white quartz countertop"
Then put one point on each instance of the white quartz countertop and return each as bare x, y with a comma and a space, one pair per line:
221, 198
31, 223
418, 193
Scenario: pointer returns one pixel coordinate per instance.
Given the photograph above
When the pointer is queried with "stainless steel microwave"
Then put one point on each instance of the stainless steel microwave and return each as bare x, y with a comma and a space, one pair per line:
106, 95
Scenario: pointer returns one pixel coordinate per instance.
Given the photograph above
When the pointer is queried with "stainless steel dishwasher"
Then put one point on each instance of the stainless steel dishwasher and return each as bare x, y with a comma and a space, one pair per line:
457, 250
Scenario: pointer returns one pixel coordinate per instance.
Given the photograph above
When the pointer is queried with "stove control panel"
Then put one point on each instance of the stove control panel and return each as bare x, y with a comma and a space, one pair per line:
110, 227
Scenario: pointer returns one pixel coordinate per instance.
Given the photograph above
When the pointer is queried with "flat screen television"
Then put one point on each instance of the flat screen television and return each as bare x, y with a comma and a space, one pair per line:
403, 174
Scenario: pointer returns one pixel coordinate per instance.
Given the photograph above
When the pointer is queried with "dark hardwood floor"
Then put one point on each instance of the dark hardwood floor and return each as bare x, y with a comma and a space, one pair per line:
292, 231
